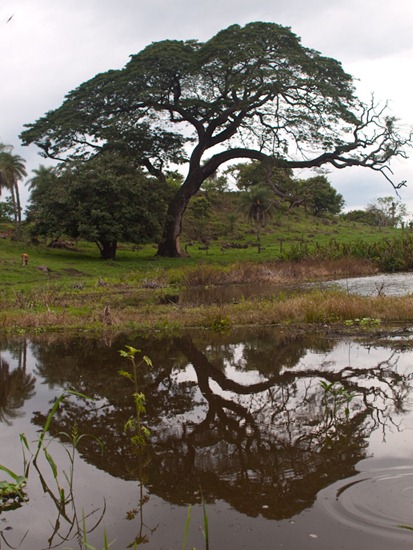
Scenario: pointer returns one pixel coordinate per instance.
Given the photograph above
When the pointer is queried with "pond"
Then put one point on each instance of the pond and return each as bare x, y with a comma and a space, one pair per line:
383, 284
262, 438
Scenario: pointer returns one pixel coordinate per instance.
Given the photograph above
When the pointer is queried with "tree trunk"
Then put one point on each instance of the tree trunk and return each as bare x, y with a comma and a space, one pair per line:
107, 249
18, 205
170, 246
13, 200
259, 237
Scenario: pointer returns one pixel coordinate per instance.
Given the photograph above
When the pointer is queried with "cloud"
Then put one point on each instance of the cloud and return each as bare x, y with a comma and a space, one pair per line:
50, 47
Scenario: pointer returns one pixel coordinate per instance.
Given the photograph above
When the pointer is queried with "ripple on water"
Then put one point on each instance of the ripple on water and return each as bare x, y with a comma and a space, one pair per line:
377, 502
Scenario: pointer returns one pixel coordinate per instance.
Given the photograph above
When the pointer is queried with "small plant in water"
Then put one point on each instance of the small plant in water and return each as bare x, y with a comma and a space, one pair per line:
363, 322
220, 324
205, 529
12, 495
134, 424
62, 495
336, 423
334, 399
140, 436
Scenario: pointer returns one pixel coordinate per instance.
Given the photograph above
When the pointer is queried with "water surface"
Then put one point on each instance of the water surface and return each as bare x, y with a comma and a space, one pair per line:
288, 441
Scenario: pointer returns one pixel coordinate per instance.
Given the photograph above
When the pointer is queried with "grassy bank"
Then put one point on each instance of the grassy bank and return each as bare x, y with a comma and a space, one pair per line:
64, 289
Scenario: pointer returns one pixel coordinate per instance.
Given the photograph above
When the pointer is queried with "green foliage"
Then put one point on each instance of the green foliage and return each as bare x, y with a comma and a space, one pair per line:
140, 432
220, 324
105, 200
6, 210
12, 493
360, 216
389, 254
258, 204
322, 198
196, 220
387, 211
264, 173
205, 529
249, 92
62, 494
336, 398
216, 184
12, 170
315, 193
336, 426
363, 322
106, 543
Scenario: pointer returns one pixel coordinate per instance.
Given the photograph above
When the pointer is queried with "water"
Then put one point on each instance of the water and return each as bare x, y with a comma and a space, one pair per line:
287, 440
383, 284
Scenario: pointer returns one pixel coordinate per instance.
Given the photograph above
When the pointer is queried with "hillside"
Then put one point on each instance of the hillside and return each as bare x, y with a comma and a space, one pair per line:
215, 224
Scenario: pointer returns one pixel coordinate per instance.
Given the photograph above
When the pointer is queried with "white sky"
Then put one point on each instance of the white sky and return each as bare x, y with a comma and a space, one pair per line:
49, 47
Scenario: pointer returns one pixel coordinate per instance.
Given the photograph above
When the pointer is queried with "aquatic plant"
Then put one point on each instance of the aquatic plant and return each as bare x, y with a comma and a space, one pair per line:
335, 426
363, 322
335, 398
140, 434
220, 324
134, 423
12, 494
205, 528
62, 495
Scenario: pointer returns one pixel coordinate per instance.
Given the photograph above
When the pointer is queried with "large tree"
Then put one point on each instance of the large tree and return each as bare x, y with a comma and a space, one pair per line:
249, 92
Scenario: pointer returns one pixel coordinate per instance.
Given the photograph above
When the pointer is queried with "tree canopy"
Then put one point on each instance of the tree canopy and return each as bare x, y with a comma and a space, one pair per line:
104, 201
387, 211
12, 170
250, 92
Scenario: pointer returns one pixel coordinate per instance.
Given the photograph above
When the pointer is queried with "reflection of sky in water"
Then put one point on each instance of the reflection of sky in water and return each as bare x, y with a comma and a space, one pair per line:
43, 395
395, 441
394, 438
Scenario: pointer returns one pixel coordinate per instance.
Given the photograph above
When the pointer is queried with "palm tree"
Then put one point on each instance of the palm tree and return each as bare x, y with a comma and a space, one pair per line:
12, 169
42, 180
40, 185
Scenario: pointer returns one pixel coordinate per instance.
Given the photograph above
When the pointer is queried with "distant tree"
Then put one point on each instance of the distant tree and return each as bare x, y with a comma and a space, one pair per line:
217, 183
196, 220
255, 173
361, 216
315, 193
40, 184
387, 212
42, 177
258, 204
105, 200
321, 197
7, 210
12, 170
251, 92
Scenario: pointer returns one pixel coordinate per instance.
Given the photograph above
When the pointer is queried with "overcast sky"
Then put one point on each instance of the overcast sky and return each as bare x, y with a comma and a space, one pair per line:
49, 47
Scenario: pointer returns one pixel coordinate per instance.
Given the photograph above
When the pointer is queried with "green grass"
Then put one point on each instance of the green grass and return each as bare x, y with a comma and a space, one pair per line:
281, 235
76, 289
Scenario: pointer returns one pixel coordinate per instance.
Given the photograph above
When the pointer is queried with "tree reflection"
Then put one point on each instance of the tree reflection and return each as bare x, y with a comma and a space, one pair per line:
16, 385
250, 426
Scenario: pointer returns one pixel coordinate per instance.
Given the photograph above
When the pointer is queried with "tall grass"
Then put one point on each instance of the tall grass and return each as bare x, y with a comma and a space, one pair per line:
388, 254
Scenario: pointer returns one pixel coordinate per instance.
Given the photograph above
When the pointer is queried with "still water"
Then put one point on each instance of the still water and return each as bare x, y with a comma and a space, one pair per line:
284, 440
382, 284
